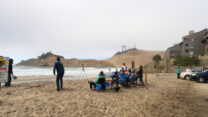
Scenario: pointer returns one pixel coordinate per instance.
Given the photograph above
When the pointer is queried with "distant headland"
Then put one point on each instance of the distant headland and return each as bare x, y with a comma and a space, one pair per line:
140, 57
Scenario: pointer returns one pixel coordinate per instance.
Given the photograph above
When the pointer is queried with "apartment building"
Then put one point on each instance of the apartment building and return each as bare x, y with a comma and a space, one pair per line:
191, 45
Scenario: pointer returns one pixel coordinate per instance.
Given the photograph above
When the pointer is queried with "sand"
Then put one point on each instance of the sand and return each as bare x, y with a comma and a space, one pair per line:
165, 96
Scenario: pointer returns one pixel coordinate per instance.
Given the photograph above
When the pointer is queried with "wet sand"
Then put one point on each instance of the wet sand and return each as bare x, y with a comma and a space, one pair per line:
165, 96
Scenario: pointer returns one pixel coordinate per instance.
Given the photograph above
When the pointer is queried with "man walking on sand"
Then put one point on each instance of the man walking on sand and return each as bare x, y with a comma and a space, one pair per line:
58, 66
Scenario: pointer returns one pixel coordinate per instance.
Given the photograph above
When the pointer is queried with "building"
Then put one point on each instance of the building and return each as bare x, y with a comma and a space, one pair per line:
205, 42
191, 45
173, 51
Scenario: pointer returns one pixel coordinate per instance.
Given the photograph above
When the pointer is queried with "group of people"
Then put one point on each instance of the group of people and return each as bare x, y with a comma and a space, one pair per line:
139, 73
59, 68
124, 70
58, 71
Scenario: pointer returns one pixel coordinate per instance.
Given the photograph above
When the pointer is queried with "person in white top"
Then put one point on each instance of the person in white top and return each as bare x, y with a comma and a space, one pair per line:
188, 70
124, 67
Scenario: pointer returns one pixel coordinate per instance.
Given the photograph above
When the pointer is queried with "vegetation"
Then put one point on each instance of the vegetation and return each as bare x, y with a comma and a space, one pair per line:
157, 58
46, 55
186, 60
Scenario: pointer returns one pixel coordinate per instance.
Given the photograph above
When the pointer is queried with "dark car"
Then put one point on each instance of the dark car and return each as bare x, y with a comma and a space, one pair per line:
201, 77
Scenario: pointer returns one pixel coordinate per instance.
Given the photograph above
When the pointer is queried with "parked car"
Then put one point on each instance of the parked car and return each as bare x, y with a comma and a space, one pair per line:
201, 77
187, 75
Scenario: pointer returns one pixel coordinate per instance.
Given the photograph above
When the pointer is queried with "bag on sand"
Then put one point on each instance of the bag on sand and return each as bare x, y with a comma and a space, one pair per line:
117, 89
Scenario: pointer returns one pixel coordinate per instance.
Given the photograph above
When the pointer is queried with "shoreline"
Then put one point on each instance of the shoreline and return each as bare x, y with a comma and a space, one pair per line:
43, 78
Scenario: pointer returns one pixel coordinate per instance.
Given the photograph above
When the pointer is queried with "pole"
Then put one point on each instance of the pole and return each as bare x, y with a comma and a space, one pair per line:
167, 65
146, 73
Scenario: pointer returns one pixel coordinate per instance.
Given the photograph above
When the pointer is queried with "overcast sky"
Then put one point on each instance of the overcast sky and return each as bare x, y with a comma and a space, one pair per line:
95, 28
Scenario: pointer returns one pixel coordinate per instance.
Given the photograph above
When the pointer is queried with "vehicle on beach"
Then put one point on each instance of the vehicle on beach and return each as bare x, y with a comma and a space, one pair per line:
187, 75
201, 77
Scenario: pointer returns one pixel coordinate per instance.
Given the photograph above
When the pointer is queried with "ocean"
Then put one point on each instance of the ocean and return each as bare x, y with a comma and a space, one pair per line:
76, 72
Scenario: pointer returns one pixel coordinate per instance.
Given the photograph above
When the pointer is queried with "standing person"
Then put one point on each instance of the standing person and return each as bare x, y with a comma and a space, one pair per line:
178, 72
10, 73
58, 66
124, 68
188, 70
140, 75
132, 65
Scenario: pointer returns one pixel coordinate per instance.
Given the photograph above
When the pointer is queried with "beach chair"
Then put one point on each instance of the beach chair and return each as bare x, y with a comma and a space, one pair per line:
134, 80
124, 79
115, 78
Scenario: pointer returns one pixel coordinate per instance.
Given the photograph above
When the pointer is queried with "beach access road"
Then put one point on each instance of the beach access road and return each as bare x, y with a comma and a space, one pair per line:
165, 96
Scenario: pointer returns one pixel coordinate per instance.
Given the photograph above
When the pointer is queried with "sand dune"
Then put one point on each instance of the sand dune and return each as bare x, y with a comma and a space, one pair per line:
162, 97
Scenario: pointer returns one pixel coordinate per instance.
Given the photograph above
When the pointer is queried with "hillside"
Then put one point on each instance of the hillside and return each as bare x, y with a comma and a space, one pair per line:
140, 57
48, 60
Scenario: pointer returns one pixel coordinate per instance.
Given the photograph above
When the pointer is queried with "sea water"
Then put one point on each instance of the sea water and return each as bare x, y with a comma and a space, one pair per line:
76, 72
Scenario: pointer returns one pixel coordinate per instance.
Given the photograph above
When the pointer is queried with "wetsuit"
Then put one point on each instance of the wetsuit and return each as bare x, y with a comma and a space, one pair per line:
10, 73
58, 66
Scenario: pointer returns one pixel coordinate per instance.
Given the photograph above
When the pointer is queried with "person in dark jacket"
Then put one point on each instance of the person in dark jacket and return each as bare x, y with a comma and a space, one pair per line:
10, 73
140, 74
58, 66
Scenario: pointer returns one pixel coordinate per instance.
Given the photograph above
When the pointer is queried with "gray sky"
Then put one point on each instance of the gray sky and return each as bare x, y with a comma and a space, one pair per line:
95, 28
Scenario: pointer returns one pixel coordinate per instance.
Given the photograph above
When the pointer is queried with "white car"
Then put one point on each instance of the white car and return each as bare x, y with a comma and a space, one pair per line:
188, 74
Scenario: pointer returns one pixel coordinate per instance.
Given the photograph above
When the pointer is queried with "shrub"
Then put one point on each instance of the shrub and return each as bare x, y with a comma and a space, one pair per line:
186, 60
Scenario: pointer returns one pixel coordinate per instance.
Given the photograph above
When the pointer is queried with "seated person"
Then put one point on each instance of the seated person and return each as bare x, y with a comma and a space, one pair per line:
124, 78
100, 76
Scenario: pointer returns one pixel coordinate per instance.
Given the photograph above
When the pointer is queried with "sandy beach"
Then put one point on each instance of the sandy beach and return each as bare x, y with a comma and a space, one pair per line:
165, 96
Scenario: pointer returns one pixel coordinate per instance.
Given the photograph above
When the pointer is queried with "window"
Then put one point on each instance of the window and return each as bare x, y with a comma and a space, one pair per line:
191, 46
187, 44
187, 51
192, 39
197, 69
191, 53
